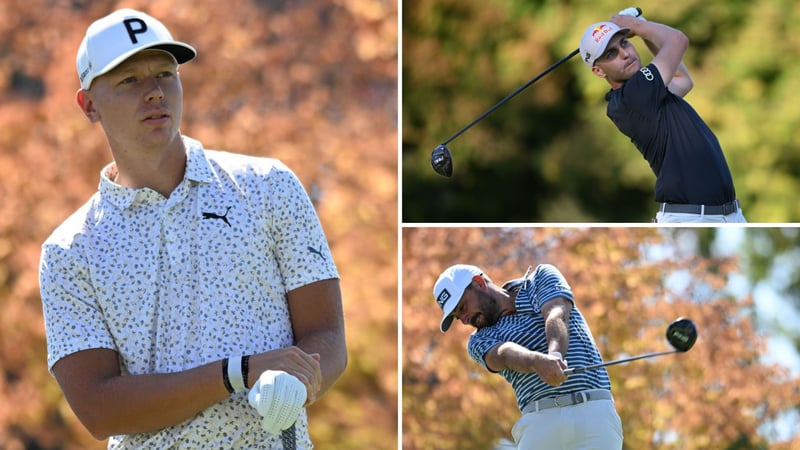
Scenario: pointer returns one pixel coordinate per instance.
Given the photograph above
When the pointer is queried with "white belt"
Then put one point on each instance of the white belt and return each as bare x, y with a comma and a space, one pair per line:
573, 398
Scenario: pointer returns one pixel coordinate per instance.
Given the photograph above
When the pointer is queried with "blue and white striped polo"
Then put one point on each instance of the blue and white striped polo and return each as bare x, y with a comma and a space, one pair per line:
526, 328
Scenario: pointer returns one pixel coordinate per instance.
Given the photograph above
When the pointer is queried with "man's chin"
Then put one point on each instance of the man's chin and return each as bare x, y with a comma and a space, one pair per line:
484, 321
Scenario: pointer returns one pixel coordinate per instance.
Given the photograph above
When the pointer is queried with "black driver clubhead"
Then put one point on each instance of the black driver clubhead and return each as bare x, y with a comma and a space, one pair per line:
442, 161
682, 334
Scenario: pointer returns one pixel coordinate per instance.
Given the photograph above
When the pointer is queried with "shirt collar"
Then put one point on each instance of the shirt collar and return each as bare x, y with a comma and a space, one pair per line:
198, 170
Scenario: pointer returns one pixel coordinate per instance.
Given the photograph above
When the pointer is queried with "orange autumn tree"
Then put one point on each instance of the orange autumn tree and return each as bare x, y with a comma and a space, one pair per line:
715, 396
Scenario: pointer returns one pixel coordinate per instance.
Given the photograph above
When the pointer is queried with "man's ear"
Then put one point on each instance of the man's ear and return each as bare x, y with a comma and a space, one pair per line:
480, 281
598, 71
86, 105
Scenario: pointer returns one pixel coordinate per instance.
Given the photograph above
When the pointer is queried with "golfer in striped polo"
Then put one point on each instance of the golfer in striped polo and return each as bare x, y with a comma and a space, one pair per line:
527, 330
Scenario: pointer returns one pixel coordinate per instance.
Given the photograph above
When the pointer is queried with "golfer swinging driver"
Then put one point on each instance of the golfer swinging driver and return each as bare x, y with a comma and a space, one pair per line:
693, 182
522, 334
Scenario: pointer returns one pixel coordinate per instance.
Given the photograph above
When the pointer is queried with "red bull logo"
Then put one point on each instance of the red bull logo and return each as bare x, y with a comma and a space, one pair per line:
600, 31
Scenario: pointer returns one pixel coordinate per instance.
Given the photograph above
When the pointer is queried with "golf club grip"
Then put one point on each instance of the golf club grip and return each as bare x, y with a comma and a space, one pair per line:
572, 370
509, 96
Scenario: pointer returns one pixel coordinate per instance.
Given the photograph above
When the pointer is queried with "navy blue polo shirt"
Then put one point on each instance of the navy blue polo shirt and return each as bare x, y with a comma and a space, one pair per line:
681, 149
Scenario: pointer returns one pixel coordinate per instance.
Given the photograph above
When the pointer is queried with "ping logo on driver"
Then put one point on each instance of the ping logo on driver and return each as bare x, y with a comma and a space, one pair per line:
443, 297
679, 335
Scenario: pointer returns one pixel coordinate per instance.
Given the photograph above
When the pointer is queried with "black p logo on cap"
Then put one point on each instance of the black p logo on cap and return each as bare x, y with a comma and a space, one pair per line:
132, 32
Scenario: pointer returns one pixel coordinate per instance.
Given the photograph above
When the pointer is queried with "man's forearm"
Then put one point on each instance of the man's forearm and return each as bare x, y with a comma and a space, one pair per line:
556, 324
125, 404
556, 330
331, 346
318, 327
157, 401
511, 356
654, 49
657, 35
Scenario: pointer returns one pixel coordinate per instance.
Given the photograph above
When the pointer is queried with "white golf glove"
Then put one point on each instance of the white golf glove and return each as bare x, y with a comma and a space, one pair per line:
279, 398
633, 12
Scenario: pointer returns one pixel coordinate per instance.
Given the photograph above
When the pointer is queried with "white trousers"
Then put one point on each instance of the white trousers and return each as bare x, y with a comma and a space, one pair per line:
593, 425
737, 217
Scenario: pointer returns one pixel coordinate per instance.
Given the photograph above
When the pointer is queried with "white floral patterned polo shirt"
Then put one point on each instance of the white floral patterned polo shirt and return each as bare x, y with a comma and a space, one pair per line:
174, 283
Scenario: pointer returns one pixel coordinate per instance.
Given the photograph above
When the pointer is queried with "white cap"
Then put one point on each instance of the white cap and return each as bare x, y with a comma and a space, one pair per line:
450, 287
596, 39
116, 37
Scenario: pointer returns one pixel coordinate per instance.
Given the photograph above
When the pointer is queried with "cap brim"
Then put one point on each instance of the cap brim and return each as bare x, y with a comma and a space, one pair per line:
627, 31
180, 51
446, 322
447, 318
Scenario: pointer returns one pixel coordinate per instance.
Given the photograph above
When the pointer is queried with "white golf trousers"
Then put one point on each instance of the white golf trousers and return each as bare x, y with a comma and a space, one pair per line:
593, 425
736, 217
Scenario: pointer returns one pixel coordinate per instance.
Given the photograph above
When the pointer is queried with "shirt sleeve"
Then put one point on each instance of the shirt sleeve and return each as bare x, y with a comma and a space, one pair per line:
548, 284
301, 248
73, 320
644, 89
481, 342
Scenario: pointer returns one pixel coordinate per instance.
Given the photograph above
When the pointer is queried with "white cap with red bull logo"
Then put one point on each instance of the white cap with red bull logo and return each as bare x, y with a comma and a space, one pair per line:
596, 39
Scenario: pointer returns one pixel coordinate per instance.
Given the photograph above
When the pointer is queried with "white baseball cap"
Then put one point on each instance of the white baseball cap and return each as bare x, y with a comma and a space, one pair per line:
116, 37
596, 39
450, 287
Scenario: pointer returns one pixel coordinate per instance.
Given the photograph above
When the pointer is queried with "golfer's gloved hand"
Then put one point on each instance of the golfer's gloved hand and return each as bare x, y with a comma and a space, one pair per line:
559, 356
550, 369
279, 398
633, 12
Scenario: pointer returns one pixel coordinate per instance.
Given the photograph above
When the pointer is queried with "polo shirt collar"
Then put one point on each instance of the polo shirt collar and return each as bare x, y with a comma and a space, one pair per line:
198, 170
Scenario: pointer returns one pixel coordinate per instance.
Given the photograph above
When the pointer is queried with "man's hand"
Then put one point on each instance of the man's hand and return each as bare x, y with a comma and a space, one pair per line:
550, 369
633, 12
626, 21
294, 361
622, 20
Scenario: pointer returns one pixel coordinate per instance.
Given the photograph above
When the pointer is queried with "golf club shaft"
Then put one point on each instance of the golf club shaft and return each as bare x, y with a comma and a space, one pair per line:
572, 370
509, 96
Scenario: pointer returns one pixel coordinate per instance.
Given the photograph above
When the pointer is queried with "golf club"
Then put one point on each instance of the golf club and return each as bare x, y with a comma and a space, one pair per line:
681, 334
442, 159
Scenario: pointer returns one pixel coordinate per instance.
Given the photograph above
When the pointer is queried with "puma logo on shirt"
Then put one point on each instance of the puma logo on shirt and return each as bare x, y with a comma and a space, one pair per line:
316, 252
224, 217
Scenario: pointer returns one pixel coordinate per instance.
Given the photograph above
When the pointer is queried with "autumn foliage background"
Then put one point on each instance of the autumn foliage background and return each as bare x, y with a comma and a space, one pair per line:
311, 82
716, 396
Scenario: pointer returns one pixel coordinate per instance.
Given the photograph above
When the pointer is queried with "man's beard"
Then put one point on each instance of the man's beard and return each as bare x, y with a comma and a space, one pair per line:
489, 314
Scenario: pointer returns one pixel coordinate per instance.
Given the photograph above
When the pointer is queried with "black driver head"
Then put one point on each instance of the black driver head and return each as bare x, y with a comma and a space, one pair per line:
682, 334
442, 161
